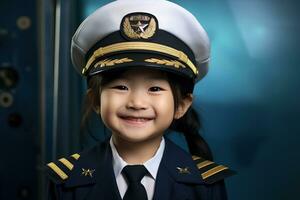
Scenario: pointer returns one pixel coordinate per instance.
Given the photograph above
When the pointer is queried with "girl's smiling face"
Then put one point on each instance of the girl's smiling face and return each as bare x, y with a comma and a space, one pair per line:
137, 106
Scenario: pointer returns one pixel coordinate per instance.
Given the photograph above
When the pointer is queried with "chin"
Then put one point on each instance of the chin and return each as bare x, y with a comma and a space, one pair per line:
136, 138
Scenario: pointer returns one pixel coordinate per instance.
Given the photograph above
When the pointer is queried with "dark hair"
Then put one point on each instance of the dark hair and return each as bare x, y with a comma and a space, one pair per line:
189, 125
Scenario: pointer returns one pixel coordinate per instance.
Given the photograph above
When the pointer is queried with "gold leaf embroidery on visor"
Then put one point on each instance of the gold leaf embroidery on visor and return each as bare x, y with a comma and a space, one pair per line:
137, 46
173, 63
110, 62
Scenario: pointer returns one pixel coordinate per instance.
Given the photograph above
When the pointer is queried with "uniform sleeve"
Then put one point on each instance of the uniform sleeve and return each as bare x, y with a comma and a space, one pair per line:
215, 191
52, 192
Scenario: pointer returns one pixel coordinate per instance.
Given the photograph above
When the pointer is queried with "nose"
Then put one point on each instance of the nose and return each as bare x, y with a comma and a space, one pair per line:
137, 100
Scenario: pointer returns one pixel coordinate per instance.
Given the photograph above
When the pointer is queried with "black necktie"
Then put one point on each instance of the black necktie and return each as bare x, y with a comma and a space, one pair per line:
134, 175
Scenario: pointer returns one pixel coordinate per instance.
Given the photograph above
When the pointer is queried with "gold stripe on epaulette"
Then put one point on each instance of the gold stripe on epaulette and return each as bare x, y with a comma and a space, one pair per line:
66, 163
204, 164
58, 171
195, 157
76, 156
213, 171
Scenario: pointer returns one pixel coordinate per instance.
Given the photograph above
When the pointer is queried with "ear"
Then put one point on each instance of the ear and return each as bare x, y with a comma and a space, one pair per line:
183, 106
91, 98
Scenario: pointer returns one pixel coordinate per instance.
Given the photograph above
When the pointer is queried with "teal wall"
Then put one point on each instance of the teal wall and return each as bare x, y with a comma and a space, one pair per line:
249, 101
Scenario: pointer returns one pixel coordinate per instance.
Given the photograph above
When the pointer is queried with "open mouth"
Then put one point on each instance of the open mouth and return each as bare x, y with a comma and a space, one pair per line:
136, 120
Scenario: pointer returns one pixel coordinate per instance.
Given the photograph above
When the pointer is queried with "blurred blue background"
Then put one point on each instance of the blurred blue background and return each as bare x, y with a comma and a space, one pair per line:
249, 101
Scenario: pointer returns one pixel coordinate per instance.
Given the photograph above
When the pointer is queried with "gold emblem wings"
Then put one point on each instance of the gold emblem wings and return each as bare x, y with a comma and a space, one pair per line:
149, 32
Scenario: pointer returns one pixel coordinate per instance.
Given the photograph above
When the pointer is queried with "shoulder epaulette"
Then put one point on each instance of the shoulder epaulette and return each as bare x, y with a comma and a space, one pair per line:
59, 170
211, 172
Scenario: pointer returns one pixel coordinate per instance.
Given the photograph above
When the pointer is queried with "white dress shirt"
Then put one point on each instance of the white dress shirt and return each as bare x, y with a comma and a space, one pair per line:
151, 165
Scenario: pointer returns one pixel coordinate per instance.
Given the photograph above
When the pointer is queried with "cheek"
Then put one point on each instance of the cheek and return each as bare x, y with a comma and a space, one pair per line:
109, 103
104, 105
166, 105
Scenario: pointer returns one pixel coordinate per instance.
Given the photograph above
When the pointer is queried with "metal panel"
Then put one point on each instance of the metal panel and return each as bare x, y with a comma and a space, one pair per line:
18, 100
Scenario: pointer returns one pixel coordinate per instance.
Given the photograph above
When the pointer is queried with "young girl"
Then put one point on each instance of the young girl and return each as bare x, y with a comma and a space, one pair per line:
142, 60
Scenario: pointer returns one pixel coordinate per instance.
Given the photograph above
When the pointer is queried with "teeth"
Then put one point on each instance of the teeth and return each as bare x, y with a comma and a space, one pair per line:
137, 119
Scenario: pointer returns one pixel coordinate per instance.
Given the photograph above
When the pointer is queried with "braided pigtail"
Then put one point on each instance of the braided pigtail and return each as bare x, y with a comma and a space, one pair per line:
189, 124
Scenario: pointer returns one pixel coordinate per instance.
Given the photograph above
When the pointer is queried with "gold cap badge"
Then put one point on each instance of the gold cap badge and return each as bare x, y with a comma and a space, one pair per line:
139, 26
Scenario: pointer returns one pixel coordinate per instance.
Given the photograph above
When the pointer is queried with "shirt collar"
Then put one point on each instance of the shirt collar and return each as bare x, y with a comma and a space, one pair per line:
117, 162
151, 165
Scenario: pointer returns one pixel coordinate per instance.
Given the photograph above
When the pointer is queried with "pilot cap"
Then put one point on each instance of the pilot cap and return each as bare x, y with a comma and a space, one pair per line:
141, 33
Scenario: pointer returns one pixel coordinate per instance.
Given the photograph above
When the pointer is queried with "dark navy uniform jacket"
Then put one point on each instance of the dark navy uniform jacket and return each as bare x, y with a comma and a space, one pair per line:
90, 176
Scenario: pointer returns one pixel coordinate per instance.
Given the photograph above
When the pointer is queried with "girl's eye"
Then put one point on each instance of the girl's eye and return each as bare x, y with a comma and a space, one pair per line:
155, 89
120, 87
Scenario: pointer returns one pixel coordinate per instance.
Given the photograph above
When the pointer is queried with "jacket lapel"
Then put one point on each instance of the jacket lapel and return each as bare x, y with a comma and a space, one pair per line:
99, 182
106, 187
164, 184
176, 169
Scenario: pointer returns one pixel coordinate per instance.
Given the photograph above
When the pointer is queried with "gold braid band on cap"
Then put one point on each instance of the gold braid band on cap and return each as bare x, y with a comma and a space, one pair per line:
148, 46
